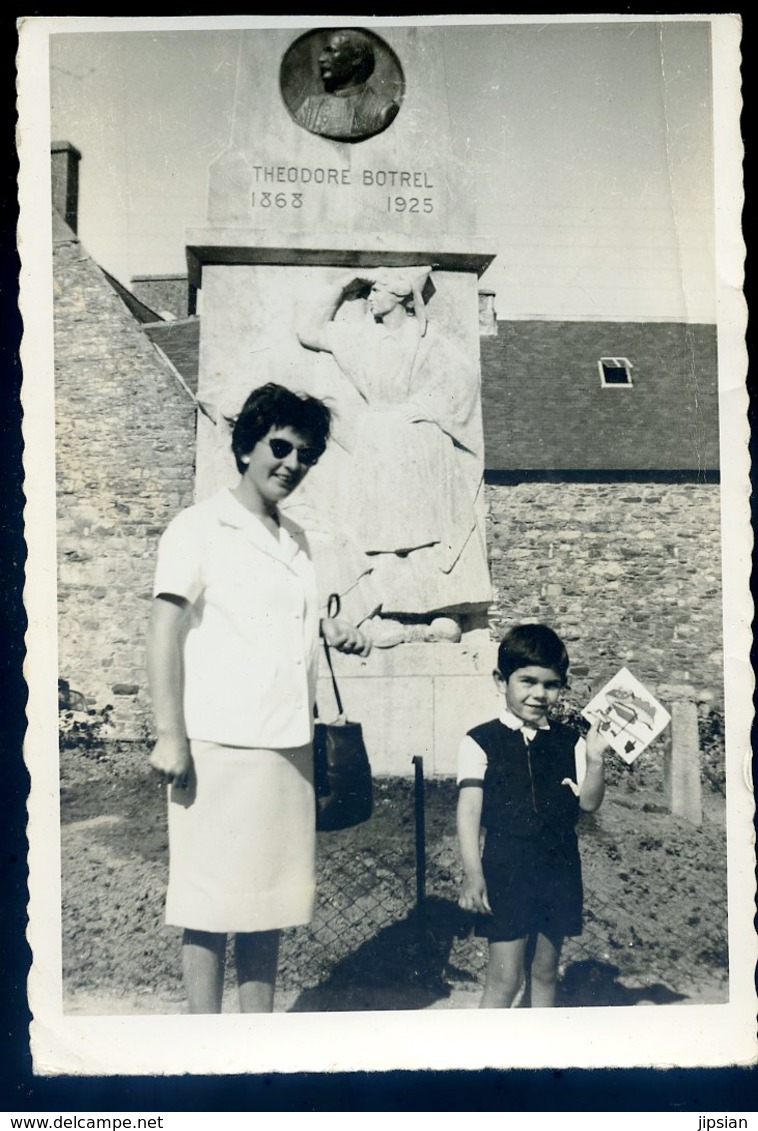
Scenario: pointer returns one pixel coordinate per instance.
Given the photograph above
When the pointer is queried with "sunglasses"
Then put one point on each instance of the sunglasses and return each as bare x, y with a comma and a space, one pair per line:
307, 456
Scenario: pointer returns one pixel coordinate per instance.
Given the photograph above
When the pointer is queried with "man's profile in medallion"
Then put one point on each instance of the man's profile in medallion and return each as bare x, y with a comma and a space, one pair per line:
358, 89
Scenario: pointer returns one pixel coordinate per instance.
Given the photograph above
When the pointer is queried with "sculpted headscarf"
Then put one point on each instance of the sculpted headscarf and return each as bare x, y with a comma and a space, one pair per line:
402, 282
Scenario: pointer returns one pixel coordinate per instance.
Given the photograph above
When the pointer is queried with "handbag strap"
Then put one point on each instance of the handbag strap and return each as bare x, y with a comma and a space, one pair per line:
333, 606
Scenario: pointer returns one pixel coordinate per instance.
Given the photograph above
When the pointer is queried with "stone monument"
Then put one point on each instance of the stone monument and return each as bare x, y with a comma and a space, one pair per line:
341, 258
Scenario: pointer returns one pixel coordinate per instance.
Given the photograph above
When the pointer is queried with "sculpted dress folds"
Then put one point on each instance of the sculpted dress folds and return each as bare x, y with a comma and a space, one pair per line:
415, 438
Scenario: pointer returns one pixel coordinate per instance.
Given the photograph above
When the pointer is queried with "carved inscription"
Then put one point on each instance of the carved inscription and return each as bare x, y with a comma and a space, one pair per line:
373, 182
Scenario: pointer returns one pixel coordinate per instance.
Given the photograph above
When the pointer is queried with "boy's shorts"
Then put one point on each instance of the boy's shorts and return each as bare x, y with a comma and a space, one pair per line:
533, 886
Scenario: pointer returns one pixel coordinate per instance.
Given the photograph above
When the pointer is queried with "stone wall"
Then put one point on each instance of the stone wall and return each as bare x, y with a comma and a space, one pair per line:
627, 574
125, 466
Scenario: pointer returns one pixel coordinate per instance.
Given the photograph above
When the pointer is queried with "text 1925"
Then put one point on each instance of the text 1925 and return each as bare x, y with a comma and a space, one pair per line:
409, 204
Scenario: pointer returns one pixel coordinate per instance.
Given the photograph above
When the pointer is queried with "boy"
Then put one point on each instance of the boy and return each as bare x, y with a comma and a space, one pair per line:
526, 779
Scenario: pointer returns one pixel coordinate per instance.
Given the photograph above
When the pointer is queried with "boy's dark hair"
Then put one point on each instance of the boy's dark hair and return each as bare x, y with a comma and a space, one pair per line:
273, 406
528, 645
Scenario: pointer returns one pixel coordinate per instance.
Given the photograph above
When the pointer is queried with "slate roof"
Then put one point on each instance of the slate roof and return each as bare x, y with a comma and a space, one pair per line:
142, 313
544, 407
179, 341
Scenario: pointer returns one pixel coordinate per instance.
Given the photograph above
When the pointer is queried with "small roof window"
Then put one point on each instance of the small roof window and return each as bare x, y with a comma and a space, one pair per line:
615, 372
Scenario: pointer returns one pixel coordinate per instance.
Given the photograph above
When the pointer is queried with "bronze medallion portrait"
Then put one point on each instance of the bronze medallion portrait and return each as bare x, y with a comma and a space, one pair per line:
344, 84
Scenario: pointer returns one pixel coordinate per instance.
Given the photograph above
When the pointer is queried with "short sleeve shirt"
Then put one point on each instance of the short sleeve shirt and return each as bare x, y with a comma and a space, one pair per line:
472, 760
251, 649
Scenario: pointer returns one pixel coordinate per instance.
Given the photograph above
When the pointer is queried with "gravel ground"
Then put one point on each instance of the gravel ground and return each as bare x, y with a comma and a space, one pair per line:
655, 908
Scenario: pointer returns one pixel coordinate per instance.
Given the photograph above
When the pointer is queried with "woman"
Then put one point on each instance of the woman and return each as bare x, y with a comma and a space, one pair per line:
416, 440
232, 659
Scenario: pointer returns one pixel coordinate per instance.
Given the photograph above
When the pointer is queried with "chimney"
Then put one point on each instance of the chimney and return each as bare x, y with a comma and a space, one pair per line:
487, 315
65, 177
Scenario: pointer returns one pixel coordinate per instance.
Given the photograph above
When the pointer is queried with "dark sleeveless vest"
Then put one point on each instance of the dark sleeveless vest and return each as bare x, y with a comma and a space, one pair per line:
523, 795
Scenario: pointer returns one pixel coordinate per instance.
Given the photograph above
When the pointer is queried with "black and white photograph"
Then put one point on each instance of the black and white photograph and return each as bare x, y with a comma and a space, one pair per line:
384, 399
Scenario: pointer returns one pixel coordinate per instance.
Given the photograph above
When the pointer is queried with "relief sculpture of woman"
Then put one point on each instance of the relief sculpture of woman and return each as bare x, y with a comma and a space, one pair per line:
416, 444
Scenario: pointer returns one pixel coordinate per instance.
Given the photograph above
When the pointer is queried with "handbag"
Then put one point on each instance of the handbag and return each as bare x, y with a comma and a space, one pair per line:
341, 769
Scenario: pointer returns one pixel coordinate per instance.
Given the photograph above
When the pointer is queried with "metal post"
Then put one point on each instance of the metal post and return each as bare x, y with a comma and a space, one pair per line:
421, 963
418, 765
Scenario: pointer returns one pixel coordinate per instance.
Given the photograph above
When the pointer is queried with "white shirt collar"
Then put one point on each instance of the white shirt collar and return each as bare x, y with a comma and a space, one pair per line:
231, 512
513, 722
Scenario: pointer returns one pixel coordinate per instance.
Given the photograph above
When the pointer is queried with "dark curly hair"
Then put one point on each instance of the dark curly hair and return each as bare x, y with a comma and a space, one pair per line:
528, 645
273, 406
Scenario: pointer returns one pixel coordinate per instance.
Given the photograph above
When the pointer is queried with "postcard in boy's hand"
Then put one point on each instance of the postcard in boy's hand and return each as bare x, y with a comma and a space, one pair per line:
634, 717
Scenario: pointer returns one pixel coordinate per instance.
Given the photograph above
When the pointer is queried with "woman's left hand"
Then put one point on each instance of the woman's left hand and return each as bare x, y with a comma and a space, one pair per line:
344, 636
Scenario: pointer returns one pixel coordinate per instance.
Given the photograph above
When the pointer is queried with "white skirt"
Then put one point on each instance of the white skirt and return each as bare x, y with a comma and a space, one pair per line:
242, 840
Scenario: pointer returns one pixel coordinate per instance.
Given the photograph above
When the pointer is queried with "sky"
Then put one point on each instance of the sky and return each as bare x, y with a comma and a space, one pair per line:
593, 144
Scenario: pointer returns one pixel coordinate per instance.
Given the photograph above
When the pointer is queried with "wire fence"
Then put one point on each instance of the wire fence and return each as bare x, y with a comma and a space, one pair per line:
387, 928
366, 885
